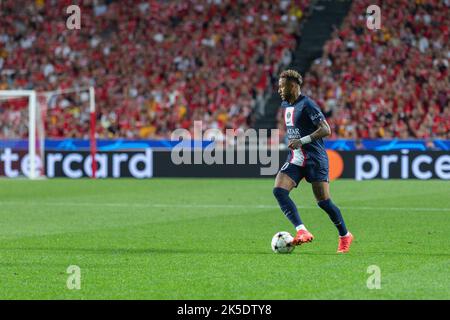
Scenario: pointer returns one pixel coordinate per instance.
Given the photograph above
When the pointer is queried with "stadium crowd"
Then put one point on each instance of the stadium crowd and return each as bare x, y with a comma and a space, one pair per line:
392, 82
156, 65
160, 65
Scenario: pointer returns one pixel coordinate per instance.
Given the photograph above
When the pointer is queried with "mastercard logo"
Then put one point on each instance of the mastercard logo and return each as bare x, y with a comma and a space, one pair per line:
336, 164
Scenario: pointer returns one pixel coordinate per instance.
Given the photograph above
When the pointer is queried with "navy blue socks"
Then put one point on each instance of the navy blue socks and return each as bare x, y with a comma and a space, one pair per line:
335, 215
287, 206
290, 210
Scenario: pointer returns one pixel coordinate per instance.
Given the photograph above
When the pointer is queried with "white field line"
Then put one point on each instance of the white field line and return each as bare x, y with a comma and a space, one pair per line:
205, 206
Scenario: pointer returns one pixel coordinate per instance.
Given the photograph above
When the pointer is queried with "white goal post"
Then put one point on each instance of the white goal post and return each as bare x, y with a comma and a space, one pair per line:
32, 112
36, 124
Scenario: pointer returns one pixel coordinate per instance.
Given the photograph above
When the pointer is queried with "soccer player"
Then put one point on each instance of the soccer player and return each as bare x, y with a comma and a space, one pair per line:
306, 127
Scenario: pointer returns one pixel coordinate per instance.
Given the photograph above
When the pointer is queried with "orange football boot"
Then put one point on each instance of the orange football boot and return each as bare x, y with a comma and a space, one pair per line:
302, 236
344, 243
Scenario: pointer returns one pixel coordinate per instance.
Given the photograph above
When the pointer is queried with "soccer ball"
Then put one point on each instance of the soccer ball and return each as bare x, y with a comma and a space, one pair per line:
282, 242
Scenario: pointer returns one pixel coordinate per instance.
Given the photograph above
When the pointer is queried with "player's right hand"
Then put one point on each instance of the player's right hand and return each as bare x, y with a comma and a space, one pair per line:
294, 144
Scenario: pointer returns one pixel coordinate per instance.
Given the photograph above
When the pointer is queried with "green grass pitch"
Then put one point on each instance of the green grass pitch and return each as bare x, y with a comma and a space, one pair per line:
210, 239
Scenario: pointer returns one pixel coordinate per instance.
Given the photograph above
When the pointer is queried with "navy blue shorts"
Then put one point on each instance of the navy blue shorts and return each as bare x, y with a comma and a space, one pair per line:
312, 172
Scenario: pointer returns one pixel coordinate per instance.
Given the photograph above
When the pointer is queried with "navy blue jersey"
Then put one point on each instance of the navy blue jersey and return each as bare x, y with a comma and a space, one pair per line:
301, 119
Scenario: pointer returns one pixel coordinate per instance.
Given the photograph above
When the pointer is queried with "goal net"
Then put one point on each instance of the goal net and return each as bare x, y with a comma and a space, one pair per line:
28, 117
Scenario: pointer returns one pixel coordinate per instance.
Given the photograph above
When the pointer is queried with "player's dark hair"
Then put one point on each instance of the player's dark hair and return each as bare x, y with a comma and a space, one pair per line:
292, 75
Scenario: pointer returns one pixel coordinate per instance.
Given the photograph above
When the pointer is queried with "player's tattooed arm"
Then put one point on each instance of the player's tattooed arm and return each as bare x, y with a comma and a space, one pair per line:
323, 130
